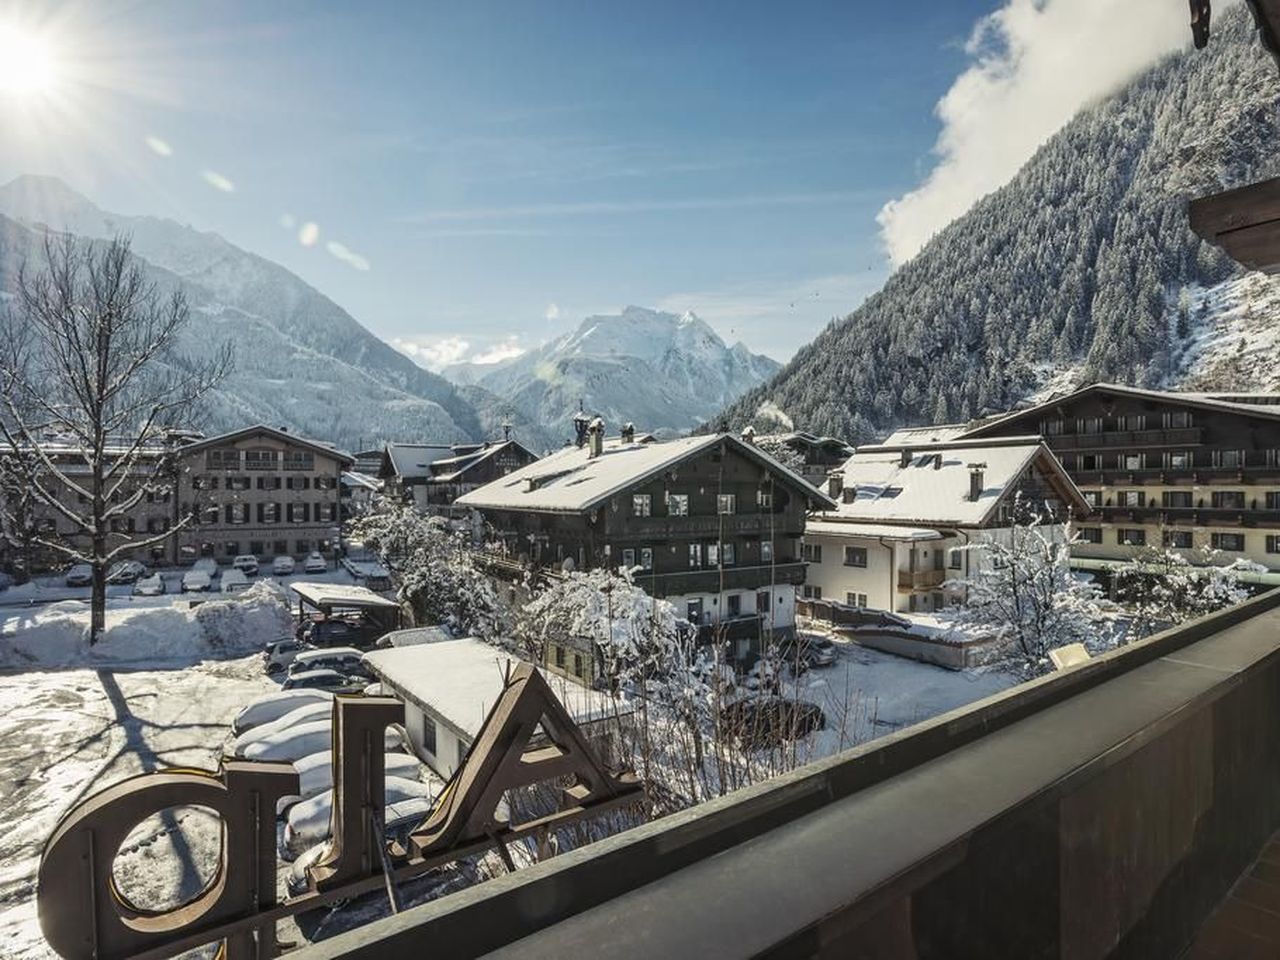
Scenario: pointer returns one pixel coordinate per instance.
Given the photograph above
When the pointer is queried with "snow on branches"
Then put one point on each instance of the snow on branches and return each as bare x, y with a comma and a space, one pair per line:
1161, 587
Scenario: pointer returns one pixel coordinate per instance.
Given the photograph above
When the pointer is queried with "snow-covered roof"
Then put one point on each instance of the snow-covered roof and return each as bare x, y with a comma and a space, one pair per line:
939, 433
351, 478
868, 531
323, 595
316, 446
452, 468
572, 481
459, 681
932, 488
412, 461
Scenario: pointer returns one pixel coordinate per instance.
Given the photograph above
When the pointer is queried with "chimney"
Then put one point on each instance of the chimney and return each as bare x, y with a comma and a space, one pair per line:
904, 458
506, 432
937, 461
580, 422
628, 432
975, 480
749, 435
595, 438
835, 484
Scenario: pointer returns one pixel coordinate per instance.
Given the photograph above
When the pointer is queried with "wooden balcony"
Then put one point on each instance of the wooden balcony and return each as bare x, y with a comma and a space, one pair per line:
642, 529
1111, 439
783, 573
920, 579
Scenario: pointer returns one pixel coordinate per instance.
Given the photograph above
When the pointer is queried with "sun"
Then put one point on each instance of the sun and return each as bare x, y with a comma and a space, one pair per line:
28, 68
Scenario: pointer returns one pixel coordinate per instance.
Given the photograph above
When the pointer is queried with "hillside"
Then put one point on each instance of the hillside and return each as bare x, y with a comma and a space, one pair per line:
664, 372
1082, 267
301, 360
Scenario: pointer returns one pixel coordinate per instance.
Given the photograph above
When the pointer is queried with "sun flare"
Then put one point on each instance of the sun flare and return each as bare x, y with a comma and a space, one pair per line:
28, 67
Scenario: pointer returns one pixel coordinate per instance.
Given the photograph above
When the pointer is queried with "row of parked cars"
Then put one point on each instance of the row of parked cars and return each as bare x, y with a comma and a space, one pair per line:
198, 579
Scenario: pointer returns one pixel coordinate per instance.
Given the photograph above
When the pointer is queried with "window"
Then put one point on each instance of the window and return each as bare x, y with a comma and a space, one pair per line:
1089, 425
268, 513
297, 483
299, 460
559, 657
811, 552
1273, 458
302, 546
1093, 498
1088, 461
856, 599
628, 558
1134, 461
1132, 498
299, 512
646, 558
1228, 541
695, 556
641, 505
211, 515
232, 547
280, 547
1178, 460
428, 735
1176, 499
1180, 539
726, 503
577, 664
762, 601
677, 504
1090, 534
326, 483
1228, 458
855, 556
733, 605
766, 551
268, 483
1175, 419
953, 559
238, 483
1273, 500
1131, 538
713, 554
1228, 499
1273, 543
1133, 422
764, 499
1051, 428
726, 551
260, 459
326, 512
225, 458
237, 513
812, 592
255, 547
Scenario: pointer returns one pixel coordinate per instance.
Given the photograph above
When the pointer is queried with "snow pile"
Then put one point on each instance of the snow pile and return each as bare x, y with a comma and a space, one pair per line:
58, 634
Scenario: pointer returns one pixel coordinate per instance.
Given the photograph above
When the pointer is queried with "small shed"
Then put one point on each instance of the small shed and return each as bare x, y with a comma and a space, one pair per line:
337, 599
448, 689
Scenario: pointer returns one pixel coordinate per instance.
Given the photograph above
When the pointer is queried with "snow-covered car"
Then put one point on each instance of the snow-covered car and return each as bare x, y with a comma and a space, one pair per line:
282, 565
81, 575
399, 820
126, 571
309, 820
314, 563
766, 721
152, 586
330, 680
305, 713
305, 739
247, 564
345, 660
315, 774
233, 581
196, 581
280, 653
806, 651
206, 565
275, 705
342, 631
414, 636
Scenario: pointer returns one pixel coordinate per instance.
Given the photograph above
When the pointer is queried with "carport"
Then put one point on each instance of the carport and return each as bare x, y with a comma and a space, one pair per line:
332, 600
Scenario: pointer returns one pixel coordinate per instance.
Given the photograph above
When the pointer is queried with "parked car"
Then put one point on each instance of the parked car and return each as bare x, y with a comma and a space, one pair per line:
280, 653
152, 586
315, 774
345, 660
304, 713
807, 651
330, 680
766, 721
274, 705
247, 564
233, 581
196, 581
206, 565
340, 631
399, 820
308, 738
314, 563
81, 575
309, 820
126, 571
282, 566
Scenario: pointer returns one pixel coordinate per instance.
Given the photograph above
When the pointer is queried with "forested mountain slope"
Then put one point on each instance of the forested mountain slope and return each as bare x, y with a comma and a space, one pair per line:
1083, 266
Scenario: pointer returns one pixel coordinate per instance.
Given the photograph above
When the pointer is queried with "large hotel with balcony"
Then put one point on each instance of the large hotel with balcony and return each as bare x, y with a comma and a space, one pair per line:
1191, 471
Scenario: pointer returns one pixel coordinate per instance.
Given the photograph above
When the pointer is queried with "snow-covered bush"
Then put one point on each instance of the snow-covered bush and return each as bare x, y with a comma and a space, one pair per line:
1161, 587
1024, 595
434, 568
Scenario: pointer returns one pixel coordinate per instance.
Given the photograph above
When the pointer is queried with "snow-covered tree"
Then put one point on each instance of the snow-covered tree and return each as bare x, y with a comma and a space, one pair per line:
435, 569
87, 360
1161, 587
1022, 591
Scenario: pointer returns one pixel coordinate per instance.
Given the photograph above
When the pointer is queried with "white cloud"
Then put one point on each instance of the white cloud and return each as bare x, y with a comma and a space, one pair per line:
308, 234
435, 352
1034, 65
347, 256
218, 181
552, 312
158, 146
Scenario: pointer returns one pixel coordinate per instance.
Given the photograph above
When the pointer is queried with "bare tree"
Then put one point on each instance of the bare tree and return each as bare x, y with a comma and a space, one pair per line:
91, 386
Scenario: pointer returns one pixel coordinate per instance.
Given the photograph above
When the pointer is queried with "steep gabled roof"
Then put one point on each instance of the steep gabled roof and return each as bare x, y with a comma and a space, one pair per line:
411, 461
1254, 407
939, 433
932, 488
572, 481
452, 468
316, 446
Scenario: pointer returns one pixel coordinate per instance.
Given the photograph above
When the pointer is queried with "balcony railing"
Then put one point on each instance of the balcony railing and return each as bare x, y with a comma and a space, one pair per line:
1176, 437
1203, 516
920, 579
728, 525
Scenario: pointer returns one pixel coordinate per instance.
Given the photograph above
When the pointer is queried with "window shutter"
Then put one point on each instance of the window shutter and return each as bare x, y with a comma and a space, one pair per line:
306, 511
259, 505
228, 513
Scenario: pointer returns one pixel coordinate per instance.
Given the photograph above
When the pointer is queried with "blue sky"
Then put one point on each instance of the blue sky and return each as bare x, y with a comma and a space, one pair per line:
504, 169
